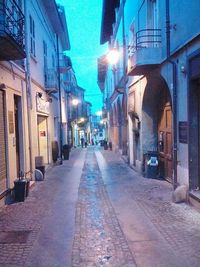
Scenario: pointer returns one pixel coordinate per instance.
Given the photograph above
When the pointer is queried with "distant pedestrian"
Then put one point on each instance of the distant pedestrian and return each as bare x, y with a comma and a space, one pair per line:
82, 141
86, 143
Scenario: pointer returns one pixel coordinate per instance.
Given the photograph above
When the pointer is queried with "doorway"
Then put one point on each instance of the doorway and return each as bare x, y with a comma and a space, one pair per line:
157, 124
43, 138
194, 135
18, 134
3, 173
165, 142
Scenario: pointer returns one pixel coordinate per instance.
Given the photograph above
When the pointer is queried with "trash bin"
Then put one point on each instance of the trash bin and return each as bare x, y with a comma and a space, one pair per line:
20, 186
105, 145
55, 151
27, 187
110, 145
66, 150
151, 164
41, 168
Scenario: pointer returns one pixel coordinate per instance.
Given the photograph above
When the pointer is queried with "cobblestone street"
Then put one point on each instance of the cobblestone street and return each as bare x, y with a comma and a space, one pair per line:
99, 240
95, 211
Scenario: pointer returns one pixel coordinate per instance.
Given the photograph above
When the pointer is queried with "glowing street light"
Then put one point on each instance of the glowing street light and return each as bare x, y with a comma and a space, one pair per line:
82, 119
99, 113
113, 56
75, 102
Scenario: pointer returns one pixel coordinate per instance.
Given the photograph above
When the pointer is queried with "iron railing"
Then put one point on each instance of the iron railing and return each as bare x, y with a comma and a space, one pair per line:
51, 80
148, 38
12, 21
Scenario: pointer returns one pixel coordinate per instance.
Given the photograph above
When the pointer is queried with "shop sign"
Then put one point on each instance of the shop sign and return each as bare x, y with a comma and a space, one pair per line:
183, 132
42, 105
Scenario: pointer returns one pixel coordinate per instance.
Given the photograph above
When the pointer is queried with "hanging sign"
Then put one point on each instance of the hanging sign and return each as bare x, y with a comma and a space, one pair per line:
42, 105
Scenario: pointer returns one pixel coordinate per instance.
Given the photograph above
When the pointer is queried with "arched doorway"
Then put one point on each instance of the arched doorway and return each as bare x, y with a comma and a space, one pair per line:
157, 124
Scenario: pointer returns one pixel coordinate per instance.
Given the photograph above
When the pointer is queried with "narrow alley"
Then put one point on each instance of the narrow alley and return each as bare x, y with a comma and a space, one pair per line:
94, 210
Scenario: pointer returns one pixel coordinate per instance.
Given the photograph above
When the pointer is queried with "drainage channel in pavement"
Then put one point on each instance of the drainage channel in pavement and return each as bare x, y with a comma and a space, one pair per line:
99, 240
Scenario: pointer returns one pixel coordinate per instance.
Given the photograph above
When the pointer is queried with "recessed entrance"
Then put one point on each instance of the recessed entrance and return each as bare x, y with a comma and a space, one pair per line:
157, 124
2, 145
165, 141
43, 138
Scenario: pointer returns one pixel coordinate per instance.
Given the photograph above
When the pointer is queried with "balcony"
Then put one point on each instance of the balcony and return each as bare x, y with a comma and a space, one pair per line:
145, 54
51, 81
65, 64
11, 31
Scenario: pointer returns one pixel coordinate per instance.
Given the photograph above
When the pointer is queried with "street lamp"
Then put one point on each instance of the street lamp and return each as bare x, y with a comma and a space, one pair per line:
99, 113
75, 102
82, 119
113, 56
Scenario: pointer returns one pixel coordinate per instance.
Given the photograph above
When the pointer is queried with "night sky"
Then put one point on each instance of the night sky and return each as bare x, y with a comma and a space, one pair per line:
84, 25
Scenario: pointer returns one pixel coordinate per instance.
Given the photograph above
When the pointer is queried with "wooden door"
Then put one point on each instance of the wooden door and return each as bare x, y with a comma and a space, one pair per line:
2, 145
165, 143
17, 135
43, 138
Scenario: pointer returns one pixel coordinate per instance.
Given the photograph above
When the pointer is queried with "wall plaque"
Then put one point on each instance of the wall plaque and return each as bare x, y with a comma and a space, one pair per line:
183, 132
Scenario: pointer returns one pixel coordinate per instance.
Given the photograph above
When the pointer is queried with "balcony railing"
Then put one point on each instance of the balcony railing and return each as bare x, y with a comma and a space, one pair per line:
65, 64
11, 31
51, 80
145, 53
148, 38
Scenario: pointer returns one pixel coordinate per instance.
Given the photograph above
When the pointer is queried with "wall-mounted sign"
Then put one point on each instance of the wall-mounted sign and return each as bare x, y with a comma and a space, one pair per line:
183, 131
42, 105
11, 122
42, 133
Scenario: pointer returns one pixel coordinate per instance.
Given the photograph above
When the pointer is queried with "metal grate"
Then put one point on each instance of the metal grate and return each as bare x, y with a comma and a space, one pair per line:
14, 237
12, 21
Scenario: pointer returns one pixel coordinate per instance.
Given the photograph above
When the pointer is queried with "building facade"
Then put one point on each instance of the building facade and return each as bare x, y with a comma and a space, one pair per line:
33, 37
162, 64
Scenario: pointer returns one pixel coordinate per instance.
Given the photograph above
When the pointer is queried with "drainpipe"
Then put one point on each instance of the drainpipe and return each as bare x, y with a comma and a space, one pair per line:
60, 96
28, 87
139, 14
174, 72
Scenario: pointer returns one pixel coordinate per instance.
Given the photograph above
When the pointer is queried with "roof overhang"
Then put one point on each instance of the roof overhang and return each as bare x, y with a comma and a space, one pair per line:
108, 18
57, 18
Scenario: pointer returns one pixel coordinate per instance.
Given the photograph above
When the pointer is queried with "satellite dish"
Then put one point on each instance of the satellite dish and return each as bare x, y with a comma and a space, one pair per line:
38, 175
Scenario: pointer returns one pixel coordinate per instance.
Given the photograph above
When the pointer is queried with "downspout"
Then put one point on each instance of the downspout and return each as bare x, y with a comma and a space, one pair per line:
60, 96
139, 13
28, 88
174, 69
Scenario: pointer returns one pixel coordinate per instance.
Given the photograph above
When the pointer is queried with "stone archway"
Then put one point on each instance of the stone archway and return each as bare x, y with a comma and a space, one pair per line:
156, 127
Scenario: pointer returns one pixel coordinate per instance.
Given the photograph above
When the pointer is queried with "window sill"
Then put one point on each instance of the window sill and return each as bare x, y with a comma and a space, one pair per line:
33, 58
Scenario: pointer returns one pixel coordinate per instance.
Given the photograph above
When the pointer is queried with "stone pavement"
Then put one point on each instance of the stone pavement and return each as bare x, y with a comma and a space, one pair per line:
96, 211
159, 232
39, 231
99, 240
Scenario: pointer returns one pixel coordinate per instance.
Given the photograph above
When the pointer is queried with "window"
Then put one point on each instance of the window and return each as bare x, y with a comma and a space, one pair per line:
32, 35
